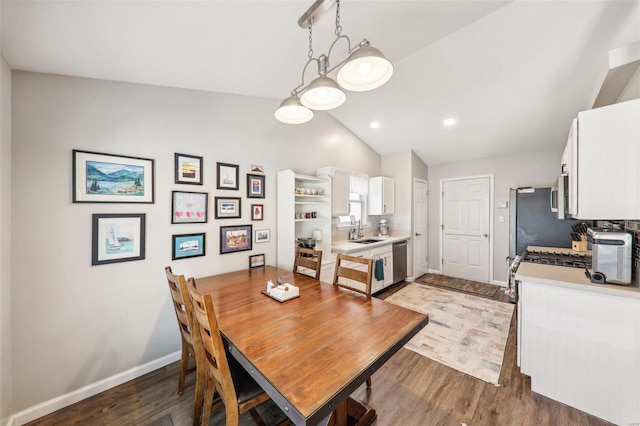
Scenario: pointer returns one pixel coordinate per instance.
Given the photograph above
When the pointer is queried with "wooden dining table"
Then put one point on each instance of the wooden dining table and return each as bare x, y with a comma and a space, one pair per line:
311, 352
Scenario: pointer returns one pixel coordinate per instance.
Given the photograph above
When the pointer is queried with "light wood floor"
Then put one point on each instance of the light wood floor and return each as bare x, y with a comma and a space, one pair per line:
408, 390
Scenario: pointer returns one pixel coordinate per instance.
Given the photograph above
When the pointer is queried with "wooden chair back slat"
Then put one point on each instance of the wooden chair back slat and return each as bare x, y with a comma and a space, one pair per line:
308, 258
353, 274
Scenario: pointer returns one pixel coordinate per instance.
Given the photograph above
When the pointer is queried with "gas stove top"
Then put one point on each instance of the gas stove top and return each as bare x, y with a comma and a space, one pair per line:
572, 260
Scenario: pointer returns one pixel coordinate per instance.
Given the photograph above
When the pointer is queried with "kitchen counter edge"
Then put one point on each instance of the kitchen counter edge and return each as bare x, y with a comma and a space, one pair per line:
347, 247
571, 278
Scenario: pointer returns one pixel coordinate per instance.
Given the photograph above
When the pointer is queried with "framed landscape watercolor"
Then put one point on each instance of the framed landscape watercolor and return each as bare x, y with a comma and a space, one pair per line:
188, 169
256, 260
263, 235
228, 207
187, 245
189, 207
228, 176
117, 238
235, 238
255, 186
257, 211
106, 178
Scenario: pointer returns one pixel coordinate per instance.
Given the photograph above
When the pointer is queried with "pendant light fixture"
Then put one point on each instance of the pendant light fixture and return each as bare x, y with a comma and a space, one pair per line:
365, 68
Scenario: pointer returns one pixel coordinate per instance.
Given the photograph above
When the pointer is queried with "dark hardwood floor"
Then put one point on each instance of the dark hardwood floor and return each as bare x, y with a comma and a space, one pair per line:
408, 390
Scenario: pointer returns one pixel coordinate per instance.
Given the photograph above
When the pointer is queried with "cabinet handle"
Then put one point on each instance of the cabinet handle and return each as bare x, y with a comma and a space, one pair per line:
384, 208
418, 235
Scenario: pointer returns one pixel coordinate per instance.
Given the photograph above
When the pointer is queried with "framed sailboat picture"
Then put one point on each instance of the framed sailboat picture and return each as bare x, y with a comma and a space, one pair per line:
106, 178
117, 238
228, 176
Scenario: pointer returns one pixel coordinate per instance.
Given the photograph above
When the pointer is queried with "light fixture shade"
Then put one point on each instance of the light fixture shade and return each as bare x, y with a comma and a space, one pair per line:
323, 94
291, 111
365, 69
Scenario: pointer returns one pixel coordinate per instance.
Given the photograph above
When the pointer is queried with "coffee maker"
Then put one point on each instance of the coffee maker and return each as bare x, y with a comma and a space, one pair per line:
384, 227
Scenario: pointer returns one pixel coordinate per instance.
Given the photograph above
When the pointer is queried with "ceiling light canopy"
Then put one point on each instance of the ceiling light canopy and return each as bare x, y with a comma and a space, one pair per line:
366, 68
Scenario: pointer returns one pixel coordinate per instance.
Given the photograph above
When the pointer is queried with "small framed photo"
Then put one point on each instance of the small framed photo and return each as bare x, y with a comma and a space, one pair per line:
188, 169
187, 245
228, 207
117, 238
235, 238
228, 176
263, 235
255, 168
189, 207
255, 186
256, 211
107, 178
256, 260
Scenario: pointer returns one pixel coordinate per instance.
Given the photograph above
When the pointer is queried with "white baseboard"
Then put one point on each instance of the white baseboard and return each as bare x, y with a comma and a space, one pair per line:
500, 283
47, 407
434, 271
410, 279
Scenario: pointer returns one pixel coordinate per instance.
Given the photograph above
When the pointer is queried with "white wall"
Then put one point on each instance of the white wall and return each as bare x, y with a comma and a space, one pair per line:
92, 322
5, 241
536, 169
403, 168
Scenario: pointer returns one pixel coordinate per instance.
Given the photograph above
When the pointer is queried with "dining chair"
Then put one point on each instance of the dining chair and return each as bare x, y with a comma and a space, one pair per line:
237, 389
308, 258
350, 274
189, 336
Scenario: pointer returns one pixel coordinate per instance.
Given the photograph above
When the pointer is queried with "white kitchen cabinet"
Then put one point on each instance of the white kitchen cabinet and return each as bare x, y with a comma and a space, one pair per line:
339, 189
602, 157
381, 195
298, 195
582, 348
384, 253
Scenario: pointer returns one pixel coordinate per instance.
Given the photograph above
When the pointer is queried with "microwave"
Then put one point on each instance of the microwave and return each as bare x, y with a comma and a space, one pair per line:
560, 197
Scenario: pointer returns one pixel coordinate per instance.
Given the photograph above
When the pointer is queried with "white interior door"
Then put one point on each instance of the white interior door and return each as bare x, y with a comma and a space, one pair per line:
466, 228
420, 201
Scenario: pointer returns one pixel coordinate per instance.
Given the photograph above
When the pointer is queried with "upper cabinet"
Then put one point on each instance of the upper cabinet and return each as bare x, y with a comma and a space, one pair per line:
339, 189
381, 195
603, 153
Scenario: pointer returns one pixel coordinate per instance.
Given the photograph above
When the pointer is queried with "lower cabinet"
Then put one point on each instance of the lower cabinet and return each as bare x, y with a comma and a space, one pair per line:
385, 255
582, 348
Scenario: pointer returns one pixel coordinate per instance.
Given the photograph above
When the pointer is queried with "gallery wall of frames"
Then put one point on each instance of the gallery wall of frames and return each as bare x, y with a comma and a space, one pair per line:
104, 178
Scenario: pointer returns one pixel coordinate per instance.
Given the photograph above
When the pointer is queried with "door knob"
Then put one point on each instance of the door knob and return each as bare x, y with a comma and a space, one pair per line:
418, 235
485, 235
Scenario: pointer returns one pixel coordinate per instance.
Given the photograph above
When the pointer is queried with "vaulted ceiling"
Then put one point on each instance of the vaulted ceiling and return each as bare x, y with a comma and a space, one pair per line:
512, 73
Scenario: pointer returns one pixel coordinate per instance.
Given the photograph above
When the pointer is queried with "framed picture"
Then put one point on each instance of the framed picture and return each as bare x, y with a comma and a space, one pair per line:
189, 207
235, 238
228, 176
256, 260
187, 245
256, 168
117, 238
255, 186
188, 169
263, 235
228, 207
256, 211
107, 178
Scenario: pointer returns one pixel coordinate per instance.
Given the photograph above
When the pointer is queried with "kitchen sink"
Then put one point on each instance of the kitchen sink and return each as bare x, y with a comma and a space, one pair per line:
366, 241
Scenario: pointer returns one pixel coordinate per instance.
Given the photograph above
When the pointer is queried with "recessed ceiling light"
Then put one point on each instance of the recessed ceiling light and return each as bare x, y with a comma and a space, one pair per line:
449, 121
375, 124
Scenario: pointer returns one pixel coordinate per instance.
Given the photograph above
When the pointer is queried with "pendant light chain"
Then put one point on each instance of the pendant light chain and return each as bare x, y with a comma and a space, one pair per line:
310, 54
338, 30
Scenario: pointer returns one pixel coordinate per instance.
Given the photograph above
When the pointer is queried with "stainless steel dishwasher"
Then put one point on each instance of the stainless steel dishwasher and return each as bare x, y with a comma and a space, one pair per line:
399, 261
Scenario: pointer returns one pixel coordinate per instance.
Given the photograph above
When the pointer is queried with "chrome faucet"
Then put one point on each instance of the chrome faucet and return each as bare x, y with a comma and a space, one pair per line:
360, 233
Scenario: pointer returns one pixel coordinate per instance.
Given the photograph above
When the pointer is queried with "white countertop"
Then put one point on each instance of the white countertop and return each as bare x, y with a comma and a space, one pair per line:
567, 277
347, 247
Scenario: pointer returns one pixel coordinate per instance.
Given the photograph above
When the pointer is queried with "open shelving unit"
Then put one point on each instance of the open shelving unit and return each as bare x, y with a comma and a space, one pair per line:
292, 203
